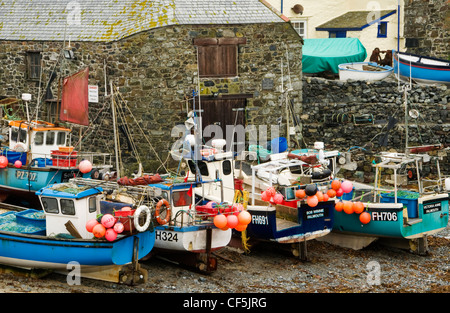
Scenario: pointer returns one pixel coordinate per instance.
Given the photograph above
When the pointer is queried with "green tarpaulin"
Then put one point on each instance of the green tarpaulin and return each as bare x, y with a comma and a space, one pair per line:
326, 54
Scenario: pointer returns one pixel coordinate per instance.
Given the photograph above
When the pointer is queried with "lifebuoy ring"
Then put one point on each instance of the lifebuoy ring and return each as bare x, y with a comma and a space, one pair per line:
137, 214
158, 211
20, 147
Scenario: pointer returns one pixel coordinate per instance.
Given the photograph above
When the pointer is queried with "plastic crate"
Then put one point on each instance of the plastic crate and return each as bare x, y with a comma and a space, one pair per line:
30, 217
126, 218
410, 202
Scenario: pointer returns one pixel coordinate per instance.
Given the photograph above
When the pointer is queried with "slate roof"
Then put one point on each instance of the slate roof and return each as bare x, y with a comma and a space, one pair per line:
355, 20
110, 20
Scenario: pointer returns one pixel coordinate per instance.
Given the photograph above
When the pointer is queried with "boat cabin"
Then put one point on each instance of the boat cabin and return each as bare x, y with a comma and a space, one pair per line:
37, 139
67, 202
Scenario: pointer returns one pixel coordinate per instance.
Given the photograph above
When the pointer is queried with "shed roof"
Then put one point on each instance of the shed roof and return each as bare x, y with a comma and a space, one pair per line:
355, 20
110, 20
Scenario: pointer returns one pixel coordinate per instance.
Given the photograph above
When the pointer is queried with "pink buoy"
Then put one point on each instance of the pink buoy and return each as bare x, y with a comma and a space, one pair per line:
90, 225
232, 221
3, 161
108, 220
85, 166
18, 164
118, 227
110, 234
347, 186
265, 196
278, 198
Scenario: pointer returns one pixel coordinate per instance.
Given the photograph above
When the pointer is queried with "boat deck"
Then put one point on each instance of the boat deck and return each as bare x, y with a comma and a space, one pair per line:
285, 224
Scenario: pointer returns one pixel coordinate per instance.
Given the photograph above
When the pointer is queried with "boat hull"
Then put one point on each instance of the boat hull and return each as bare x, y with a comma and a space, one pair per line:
390, 219
422, 70
310, 222
190, 238
24, 183
355, 71
31, 251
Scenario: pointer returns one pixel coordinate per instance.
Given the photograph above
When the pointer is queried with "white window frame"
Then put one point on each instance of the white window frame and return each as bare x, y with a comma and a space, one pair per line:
297, 28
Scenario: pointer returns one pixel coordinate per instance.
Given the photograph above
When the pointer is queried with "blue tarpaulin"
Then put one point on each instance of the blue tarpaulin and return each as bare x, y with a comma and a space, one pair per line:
326, 54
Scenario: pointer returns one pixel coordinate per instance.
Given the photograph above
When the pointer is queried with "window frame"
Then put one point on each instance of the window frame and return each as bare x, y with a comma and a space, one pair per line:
34, 60
305, 27
218, 57
379, 29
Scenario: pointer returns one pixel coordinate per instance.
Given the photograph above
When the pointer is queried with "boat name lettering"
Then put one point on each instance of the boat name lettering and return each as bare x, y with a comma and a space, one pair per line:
32, 176
260, 219
166, 236
384, 216
432, 207
316, 213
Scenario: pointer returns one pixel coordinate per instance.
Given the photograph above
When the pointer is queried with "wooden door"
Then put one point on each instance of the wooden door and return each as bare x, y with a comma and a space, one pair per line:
220, 117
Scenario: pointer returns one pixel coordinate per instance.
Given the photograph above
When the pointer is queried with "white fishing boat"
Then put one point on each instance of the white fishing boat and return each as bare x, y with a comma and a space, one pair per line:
368, 71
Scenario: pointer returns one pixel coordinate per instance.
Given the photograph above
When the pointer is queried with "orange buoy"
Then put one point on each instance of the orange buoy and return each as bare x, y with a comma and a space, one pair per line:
336, 184
220, 221
91, 224
348, 207
244, 218
319, 195
312, 201
325, 197
99, 230
365, 217
331, 193
240, 227
339, 206
358, 207
300, 193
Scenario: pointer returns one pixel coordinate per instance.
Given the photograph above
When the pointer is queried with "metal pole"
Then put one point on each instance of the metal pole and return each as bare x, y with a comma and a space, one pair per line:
115, 131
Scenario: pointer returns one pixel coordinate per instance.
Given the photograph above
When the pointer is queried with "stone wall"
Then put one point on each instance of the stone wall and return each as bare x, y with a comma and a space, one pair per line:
355, 114
155, 72
428, 21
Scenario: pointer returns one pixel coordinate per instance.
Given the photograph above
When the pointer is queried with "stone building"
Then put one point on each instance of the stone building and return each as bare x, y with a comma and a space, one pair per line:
427, 28
237, 53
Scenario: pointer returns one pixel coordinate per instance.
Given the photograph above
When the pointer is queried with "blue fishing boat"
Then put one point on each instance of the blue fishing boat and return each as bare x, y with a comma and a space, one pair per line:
184, 229
421, 69
39, 154
395, 213
57, 238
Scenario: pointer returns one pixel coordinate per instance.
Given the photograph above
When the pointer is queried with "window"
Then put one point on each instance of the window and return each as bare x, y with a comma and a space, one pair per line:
61, 139
50, 205
67, 207
382, 30
50, 138
217, 57
300, 28
92, 204
18, 135
337, 34
226, 167
34, 65
181, 198
39, 138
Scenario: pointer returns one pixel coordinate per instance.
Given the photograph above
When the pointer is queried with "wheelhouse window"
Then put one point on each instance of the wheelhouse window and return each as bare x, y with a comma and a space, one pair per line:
39, 139
50, 205
50, 138
61, 138
181, 198
218, 57
18, 135
34, 65
92, 204
67, 207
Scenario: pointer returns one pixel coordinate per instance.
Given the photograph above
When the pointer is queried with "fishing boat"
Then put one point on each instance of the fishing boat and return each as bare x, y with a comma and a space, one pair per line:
57, 239
184, 228
290, 221
421, 69
406, 213
39, 154
367, 71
